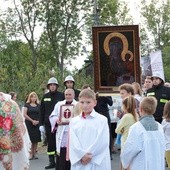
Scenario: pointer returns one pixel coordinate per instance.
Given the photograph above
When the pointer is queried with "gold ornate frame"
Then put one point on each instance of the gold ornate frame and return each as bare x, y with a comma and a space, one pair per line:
116, 57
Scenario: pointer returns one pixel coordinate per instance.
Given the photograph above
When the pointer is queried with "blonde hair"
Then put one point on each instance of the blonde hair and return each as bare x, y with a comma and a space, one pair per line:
31, 95
130, 105
137, 88
148, 105
166, 111
88, 93
76, 110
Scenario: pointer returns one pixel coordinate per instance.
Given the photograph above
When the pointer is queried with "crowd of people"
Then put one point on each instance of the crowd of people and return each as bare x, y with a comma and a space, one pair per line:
79, 130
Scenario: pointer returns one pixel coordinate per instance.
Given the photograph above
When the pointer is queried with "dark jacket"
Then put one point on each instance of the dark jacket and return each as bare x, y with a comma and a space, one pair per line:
162, 94
47, 105
77, 92
102, 105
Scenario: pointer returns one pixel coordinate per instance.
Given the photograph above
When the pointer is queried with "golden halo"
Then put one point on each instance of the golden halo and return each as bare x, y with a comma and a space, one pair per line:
125, 45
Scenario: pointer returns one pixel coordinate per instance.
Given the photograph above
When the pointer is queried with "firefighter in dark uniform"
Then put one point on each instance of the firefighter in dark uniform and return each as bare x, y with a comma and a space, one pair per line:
161, 93
47, 105
69, 83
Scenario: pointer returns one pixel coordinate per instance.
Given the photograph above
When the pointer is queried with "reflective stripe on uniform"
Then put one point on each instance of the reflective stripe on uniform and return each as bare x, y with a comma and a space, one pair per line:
151, 94
47, 99
51, 153
163, 100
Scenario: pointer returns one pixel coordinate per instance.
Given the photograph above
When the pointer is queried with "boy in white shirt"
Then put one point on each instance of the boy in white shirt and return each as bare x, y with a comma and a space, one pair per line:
144, 148
89, 136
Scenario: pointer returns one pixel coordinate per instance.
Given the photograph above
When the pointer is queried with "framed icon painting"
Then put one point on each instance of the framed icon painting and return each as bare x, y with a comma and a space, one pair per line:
116, 57
66, 113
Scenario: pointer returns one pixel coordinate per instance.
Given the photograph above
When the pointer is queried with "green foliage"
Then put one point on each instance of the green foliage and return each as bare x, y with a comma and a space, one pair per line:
166, 63
82, 78
156, 16
27, 64
15, 69
155, 30
123, 16
62, 28
28, 60
107, 11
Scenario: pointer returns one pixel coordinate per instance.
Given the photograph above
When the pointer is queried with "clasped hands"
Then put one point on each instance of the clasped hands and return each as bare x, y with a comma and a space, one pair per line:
35, 122
86, 158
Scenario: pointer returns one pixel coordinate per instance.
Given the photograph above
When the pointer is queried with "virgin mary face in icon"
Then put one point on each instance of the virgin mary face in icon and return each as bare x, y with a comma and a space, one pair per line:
120, 59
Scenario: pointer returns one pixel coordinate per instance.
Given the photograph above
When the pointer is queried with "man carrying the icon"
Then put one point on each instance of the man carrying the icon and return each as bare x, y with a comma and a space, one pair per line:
58, 117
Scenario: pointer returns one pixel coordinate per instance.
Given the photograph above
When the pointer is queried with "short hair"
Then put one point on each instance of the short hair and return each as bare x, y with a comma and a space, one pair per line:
88, 93
166, 111
69, 89
148, 105
149, 77
86, 86
29, 98
128, 87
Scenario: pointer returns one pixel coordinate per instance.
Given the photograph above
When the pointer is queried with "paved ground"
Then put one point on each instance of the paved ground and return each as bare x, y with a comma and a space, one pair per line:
40, 163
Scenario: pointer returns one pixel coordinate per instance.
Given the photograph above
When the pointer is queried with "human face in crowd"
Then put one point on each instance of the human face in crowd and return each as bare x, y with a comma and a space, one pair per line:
52, 87
124, 94
69, 95
148, 83
156, 81
69, 84
33, 98
14, 97
87, 104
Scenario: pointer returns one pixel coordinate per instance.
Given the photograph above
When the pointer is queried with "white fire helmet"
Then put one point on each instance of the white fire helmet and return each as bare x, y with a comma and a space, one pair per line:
52, 80
157, 74
69, 78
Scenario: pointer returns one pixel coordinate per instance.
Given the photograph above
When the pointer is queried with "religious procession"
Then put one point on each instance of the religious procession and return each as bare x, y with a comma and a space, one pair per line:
83, 130
110, 113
